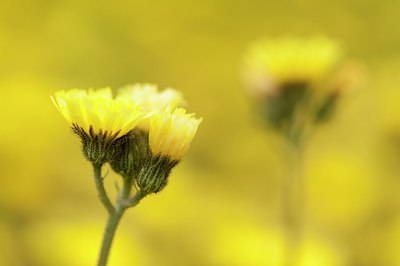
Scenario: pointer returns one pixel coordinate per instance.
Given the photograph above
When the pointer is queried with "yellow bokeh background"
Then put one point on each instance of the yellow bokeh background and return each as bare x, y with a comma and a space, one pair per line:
222, 204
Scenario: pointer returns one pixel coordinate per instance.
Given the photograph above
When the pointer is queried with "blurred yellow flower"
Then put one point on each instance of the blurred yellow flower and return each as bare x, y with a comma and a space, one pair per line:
97, 112
172, 132
151, 100
148, 96
273, 62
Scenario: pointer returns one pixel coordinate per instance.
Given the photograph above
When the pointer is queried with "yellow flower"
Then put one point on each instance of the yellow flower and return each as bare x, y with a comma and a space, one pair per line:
150, 99
96, 112
171, 133
274, 62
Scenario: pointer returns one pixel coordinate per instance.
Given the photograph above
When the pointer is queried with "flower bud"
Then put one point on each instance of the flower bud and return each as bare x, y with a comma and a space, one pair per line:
153, 176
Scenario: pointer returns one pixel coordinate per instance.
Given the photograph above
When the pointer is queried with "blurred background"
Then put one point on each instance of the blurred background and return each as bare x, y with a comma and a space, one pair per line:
222, 205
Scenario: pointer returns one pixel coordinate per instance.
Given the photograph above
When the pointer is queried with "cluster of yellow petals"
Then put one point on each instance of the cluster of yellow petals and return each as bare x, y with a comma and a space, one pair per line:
171, 132
151, 100
97, 109
287, 60
170, 129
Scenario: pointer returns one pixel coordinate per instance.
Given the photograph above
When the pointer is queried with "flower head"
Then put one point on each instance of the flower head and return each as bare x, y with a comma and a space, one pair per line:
96, 111
151, 100
293, 81
97, 118
171, 133
274, 63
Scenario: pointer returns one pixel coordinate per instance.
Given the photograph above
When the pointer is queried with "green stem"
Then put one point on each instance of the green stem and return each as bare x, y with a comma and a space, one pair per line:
124, 202
101, 192
109, 233
293, 204
135, 199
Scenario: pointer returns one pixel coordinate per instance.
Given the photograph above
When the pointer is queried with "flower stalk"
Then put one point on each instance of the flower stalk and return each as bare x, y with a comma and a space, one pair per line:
124, 202
293, 205
112, 223
101, 192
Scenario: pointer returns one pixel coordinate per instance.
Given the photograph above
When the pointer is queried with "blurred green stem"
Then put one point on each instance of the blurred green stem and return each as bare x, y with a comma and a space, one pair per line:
293, 204
115, 214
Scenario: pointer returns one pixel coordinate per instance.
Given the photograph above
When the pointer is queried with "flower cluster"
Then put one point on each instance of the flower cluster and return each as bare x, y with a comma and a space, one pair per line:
141, 132
296, 81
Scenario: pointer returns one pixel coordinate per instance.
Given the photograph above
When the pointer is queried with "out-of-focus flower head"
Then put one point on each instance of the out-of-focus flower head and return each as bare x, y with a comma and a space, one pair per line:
297, 82
151, 99
273, 63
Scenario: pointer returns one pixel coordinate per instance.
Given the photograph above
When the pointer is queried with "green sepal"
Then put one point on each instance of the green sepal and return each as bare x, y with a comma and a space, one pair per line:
153, 176
279, 109
133, 154
327, 108
101, 147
